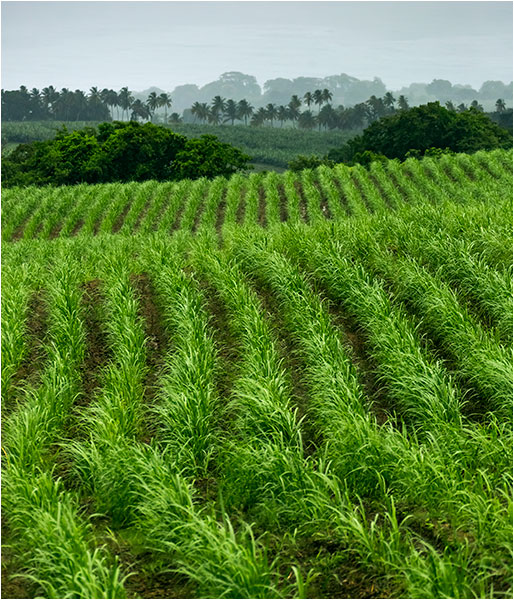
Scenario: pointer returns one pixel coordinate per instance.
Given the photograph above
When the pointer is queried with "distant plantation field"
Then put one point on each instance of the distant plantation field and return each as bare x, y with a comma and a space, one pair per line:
290, 385
270, 146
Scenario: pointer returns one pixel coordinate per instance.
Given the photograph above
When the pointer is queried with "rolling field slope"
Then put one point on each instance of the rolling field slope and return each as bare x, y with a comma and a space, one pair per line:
293, 385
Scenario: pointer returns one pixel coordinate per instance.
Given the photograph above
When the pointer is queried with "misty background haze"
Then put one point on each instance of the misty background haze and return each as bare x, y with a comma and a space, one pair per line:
167, 44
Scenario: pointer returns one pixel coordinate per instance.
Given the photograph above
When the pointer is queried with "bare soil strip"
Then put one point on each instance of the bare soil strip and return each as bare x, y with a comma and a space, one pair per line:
323, 203
99, 219
199, 211
178, 216
476, 406
98, 351
381, 190
227, 347
293, 364
143, 212
341, 575
303, 202
283, 202
220, 211
56, 230
396, 182
149, 577
36, 336
156, 339
240, 214
485, 167
362, 193
14, 586
449, 174
18, 232
38, 228
118, 224
160, 585
263, 220
78, 225
354, 341
162, 210
342, 196
467, 170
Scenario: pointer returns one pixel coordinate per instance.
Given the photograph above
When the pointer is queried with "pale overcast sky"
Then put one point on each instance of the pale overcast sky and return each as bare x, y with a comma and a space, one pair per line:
165, 44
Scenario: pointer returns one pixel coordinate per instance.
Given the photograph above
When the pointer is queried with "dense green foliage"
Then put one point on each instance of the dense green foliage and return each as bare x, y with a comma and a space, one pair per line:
273, 386
265, 145
300, 162
119, 152
424, 127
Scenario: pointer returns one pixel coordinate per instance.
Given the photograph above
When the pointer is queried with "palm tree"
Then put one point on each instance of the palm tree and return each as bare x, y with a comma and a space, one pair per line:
202, 111
376, 108
125, 99
139, 109
64, 103
165, 100
218, 105
113, 101
476, 106
175, 118
259, 117
309, 99
271, 112
79, 101
450, 106
327, 95
214, 116
152, 102
500, 105
462, 107
343, 117
94, 94
49, 95
295, 102
307, 120
95, 105
105, 96
318, 98
195, 111
282, 114
231, 112
389, 101
327, 117
403, 103
358, 115
245, 110
294, 108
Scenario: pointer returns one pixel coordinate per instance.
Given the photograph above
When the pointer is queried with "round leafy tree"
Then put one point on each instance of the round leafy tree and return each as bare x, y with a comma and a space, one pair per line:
424, 127
120, 152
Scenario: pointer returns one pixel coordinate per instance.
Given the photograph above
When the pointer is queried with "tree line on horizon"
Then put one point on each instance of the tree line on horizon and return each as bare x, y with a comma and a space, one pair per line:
346, 90
222, 110
97, 105
109, 105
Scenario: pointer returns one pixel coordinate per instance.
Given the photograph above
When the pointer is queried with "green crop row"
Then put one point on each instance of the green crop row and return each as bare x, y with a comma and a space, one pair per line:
264, 199
292, 385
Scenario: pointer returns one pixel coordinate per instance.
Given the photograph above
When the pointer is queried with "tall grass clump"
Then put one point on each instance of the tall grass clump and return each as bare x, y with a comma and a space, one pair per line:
42, 516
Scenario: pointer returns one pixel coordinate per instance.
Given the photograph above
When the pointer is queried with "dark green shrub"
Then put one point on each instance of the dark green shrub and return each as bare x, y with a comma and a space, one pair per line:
309, 162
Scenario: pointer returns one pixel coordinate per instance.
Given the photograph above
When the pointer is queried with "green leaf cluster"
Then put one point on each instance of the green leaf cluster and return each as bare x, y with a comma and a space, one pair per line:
119, 152
424, 127
308, 162
208, 157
